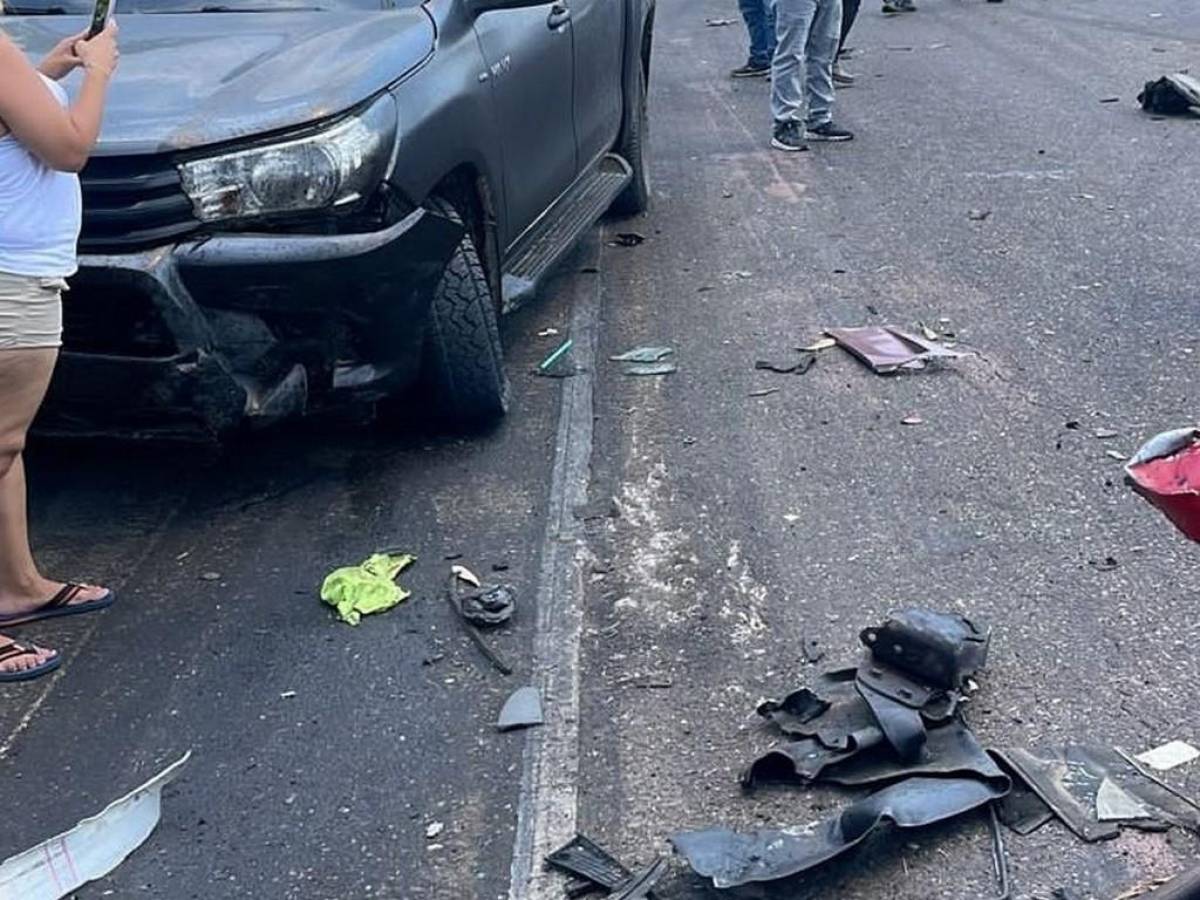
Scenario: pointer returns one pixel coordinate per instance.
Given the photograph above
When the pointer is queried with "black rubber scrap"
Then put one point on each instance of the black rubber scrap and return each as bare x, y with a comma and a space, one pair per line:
730, 859
594, 867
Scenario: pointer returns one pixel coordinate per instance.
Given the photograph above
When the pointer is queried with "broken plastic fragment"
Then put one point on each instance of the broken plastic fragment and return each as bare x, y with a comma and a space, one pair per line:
521, 710
1169, 755
90, 850
661, 368
644, 355
1166, 471
822, 344
1115, 804
464, 574
556, 365
370, 587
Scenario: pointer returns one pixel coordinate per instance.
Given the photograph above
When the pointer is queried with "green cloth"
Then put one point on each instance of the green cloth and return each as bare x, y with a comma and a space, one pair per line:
370, 587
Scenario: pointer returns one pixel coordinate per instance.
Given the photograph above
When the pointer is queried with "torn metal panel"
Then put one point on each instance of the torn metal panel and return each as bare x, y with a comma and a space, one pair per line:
1070, 783
1049, 779
887, 349
90, 850
1168, 804
730, 859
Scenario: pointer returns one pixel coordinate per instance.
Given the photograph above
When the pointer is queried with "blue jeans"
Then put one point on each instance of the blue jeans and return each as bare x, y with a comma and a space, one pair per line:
802, 74
760, 22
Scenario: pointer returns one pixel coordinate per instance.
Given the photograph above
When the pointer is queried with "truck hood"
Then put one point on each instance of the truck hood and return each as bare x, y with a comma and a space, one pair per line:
191, 80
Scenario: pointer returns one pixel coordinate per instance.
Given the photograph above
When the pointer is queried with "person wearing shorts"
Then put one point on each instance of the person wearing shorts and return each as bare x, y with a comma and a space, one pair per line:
44, 142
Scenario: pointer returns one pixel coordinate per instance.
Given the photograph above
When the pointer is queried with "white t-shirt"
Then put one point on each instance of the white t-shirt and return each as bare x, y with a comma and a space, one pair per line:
41, 211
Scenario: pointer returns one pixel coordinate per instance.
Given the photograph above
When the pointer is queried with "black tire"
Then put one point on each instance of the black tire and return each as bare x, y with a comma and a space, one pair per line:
463, 366
635, 135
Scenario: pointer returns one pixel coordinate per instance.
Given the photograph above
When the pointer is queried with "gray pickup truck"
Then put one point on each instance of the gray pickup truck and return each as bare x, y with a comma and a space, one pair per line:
296, 203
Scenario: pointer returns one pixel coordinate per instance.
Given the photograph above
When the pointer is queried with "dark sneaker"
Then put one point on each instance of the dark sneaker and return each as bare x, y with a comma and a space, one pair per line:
828, 132
789, 137
751, 70
899, 6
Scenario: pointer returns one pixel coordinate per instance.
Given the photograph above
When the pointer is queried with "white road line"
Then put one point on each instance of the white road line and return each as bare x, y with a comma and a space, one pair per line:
547, 806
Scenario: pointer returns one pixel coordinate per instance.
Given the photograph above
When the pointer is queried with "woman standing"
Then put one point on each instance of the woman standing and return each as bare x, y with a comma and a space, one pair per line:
43, 143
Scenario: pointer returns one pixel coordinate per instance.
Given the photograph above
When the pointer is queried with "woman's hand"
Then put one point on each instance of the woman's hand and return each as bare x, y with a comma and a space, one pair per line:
62, 61
100, 54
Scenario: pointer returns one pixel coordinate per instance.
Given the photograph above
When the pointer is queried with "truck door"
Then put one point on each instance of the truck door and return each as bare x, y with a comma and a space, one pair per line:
599, 27
530, 66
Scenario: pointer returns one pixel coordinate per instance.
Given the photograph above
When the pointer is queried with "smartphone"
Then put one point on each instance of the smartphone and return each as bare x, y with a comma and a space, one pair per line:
100, 15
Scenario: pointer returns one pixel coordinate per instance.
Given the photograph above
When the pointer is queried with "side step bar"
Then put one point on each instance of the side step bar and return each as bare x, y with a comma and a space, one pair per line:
557, 231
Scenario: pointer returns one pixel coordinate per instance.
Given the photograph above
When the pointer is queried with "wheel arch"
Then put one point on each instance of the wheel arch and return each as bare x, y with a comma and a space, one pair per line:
467, 189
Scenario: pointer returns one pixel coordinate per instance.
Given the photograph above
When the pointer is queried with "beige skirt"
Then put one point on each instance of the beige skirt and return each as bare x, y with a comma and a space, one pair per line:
30, 312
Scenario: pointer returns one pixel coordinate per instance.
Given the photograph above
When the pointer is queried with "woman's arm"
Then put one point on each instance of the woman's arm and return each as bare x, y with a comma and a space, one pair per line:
61, 138
62, 61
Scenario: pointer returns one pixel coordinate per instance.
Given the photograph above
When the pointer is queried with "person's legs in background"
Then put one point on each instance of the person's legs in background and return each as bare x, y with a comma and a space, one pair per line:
793, 21
849, 14
759, 16
820, 50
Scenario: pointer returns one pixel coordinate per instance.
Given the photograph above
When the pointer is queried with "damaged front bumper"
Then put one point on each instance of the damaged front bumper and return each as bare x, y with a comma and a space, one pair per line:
192, 340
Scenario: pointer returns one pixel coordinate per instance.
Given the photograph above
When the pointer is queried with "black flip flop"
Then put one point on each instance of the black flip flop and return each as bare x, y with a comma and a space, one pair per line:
60, 605
13, 650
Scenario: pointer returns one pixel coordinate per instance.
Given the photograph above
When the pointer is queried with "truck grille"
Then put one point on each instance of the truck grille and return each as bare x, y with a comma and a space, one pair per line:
133, 203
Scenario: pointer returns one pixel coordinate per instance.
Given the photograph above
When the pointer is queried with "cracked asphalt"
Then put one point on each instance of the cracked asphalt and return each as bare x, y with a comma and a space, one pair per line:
746, 525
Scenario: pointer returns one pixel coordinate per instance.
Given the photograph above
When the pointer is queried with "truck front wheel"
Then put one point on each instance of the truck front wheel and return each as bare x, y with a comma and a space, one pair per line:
463, 365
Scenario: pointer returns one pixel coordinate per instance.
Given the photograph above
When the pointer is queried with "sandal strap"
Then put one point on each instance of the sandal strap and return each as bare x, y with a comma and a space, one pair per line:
64, 597
14, 650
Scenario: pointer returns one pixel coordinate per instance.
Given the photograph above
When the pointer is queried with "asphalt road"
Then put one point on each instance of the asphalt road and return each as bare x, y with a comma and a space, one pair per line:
746, 524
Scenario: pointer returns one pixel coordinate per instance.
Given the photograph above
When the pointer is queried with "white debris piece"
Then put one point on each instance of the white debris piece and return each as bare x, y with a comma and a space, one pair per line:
1169, 755
93, 848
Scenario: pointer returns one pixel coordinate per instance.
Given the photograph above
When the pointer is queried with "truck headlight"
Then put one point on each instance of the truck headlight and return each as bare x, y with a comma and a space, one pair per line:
329, 168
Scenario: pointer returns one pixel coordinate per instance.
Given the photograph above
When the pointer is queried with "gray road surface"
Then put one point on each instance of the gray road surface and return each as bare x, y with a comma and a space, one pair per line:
747, 524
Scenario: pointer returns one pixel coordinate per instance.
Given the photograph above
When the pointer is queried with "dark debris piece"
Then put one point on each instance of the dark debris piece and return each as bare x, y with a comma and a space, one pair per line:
594, 868
730, 859
628, 239
789, 367
1172, 95
1069, 782
489, 605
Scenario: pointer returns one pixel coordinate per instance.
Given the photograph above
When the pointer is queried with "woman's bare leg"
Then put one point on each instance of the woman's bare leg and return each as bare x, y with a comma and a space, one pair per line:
24, 378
